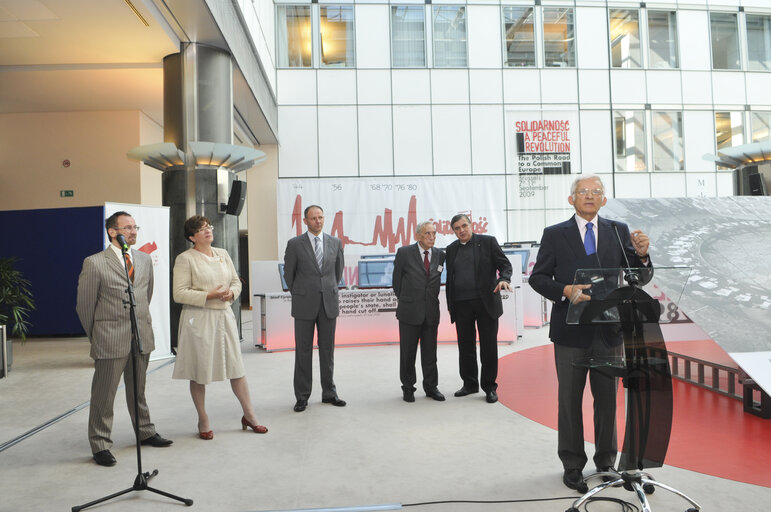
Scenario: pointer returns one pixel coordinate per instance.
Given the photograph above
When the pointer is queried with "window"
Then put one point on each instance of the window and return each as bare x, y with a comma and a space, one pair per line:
408, 36
729, 129
759, 42
725, 40
662, 40
293, 29
761, 122
625, 38
558, 37
520, 36
629, 140
336, 28
449, 36
667, 141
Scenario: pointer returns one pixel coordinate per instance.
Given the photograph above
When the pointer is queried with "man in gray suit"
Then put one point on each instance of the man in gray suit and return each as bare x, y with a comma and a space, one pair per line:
313, 267
102, 309
416, 280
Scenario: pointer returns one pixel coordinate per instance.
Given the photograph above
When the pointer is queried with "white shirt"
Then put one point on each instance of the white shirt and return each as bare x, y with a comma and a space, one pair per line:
120, 253
582, 222
311, 237
421, 250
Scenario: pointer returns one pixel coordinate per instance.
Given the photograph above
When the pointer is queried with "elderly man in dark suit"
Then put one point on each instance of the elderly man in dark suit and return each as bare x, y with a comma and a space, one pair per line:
313, 267
477, 270
584, 241
416, 280
101, 307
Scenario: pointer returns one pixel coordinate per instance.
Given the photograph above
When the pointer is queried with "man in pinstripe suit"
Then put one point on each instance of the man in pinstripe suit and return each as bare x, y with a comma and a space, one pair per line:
104, 314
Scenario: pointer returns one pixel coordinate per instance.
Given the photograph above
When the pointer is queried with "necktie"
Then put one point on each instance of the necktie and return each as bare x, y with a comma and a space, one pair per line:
426, 263
317, 250
130, 267
589, 243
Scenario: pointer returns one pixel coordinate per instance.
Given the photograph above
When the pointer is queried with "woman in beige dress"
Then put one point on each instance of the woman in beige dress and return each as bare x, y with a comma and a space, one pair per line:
206, 283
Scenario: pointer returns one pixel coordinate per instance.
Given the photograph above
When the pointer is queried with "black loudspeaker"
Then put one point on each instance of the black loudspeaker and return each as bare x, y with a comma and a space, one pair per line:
237, 198
757, 185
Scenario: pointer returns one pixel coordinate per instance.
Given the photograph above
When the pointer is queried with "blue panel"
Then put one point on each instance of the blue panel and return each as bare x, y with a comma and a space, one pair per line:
51, 245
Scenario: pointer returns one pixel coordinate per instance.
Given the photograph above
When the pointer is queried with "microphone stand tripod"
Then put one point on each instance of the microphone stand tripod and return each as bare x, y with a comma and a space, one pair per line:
140, 483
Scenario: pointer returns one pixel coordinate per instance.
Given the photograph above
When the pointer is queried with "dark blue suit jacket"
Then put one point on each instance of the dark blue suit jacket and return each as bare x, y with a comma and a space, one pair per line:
560, 255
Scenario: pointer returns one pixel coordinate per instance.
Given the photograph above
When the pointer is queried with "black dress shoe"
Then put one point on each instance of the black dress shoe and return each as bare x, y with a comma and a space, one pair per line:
408, 396
300, 405
573, 479
435, 394
606, 469
465, 391
491, 397
105, 458
334, 401
156, 441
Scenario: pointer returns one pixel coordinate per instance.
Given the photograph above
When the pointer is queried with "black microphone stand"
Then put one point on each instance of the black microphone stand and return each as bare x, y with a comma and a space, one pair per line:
140, 483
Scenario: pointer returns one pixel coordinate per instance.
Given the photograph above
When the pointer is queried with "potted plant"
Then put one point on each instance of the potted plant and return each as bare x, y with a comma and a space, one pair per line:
16, 302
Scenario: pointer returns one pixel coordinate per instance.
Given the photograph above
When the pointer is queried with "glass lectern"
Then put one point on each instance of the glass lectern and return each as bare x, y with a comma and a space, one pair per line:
626, 305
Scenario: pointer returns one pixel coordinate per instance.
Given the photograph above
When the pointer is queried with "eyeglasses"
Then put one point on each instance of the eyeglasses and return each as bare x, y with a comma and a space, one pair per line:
127, 228
586, 192
207, 227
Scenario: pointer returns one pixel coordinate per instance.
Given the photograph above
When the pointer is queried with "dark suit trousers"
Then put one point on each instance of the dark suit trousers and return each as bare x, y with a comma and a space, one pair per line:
303, 355
107, 374
409, 337
572, 381
471, 315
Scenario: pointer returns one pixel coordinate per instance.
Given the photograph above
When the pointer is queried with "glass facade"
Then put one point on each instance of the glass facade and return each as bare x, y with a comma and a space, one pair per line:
408, 36
629, 140
625, 38
336, 31
759, 42
449, 35
729, 129
293, 34
668, 150
724, 31
558, 37
761, 122
662, 40
519, 36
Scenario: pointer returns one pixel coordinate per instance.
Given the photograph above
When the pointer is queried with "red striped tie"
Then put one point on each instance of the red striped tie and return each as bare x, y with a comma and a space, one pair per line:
130, 267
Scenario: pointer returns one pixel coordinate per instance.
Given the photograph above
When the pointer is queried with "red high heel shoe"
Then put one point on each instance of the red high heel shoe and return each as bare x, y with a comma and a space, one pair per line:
259, 429
207, 436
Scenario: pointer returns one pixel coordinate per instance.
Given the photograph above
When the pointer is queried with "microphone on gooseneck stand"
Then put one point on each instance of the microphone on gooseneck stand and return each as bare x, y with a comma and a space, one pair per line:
631, 277
123, 244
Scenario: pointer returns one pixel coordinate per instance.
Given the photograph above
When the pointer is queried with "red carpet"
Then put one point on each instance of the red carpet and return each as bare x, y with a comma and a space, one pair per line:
711, 433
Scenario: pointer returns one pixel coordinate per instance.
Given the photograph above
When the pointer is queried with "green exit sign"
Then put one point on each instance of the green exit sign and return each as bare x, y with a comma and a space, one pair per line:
66, 193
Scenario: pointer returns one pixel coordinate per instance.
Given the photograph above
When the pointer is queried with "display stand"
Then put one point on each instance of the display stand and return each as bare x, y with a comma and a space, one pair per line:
631, 312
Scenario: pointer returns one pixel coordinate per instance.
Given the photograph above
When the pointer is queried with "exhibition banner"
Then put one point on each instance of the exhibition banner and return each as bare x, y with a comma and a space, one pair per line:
374, 216
152, 239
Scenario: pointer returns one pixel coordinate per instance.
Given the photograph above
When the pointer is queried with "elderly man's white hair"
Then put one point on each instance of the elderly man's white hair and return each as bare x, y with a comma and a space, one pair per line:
582, 177
422, 225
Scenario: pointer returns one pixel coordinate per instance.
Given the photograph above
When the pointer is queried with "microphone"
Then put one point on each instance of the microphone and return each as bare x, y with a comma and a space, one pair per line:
631, 277
123, 244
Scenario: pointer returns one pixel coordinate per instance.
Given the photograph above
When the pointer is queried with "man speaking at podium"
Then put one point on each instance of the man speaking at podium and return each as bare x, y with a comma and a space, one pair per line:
584, 241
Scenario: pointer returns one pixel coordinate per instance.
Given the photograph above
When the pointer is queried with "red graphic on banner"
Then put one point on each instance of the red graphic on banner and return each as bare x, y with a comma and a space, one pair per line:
383, 232
149, 248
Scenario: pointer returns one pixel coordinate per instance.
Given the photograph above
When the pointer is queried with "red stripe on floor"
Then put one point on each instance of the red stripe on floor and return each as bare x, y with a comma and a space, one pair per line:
711, 433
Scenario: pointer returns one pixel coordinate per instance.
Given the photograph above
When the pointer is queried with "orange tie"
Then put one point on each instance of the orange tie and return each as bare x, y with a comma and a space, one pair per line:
130, 267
